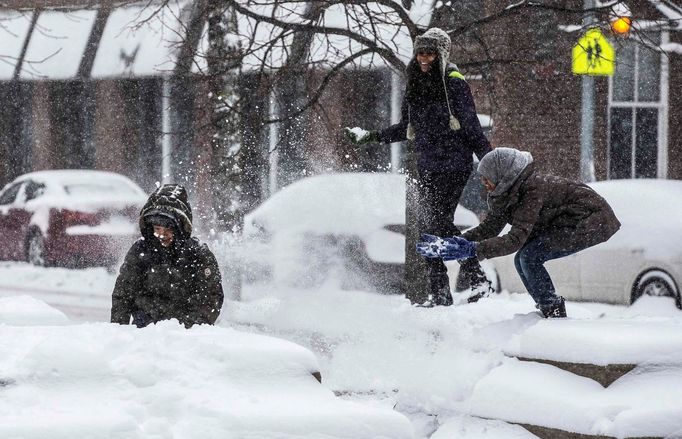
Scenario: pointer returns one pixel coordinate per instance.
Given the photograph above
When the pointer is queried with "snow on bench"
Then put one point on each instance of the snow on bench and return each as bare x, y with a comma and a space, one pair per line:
571, 400
603, 350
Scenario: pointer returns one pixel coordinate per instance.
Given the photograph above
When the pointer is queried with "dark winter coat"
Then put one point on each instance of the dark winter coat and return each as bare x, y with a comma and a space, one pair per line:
438, 146
571, 214
157, 283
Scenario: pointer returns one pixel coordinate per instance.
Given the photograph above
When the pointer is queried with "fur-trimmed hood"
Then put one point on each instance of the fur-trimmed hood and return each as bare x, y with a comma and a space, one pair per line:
168, 200
438, 39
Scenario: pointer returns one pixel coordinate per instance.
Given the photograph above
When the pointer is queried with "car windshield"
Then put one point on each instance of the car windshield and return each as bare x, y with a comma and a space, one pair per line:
100, 188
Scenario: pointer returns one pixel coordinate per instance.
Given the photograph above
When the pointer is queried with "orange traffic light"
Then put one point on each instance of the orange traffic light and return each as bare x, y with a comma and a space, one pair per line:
621, 26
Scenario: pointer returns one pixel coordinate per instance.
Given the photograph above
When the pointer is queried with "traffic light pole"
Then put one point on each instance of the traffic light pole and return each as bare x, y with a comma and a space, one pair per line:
587, 112
587, 130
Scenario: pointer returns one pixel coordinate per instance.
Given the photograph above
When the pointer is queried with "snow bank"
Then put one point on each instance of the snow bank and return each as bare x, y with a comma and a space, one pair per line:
103, 380
645, 403
427, 359
449, 361
27, 311
80, 294
441, 367
601, 342
467, 427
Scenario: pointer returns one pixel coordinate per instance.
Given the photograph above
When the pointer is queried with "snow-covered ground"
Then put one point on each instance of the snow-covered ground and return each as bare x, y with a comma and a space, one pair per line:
97, 380
443, 368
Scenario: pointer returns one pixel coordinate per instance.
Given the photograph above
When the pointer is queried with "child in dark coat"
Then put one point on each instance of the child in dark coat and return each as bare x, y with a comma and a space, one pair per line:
167, 274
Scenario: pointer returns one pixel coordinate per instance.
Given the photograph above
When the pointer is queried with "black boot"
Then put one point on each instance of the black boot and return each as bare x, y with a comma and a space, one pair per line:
440, 291
477, 281
555, 310
463, 281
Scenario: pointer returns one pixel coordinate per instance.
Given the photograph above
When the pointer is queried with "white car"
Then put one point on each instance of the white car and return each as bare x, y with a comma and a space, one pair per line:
350, 224
643, 257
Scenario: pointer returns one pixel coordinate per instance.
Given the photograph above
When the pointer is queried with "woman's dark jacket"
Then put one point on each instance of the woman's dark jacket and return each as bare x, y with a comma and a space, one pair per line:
570, 214
439, 148
156, 283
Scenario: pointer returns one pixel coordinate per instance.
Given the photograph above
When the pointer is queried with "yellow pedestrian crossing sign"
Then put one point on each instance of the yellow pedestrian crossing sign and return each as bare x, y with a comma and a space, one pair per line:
594, 55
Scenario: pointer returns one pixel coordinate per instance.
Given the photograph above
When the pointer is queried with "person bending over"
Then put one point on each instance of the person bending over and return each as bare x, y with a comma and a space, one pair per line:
550, 217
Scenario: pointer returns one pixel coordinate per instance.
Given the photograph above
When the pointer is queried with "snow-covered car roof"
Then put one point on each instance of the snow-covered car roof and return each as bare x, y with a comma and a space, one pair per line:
84, 187
646, 209
352, 203
653, 200
69, 176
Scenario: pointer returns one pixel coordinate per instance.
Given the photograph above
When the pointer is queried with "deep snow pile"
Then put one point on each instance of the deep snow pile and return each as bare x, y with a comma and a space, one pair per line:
450, 362
97, 380
442, 367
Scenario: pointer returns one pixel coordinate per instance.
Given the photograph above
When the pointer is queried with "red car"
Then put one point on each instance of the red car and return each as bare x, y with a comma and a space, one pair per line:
69, 217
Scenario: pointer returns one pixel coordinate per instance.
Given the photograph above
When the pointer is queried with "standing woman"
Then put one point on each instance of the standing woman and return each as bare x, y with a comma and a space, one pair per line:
439, 115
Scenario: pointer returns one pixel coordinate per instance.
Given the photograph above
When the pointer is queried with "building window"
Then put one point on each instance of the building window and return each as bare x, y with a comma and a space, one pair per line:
637, 108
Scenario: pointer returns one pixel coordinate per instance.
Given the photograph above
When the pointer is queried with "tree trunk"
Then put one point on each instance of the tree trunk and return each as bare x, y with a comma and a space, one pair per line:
223, 62
226, 168
416, 279
291, 93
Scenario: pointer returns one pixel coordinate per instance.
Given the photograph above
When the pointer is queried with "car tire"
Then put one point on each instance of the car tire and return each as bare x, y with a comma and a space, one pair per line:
656, 283
35, 249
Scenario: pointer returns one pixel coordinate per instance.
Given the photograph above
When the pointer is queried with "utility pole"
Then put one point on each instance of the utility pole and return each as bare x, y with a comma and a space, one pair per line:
587, 110
396, 153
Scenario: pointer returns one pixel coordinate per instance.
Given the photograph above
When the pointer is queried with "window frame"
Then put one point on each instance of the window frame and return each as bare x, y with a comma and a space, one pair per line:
662, 107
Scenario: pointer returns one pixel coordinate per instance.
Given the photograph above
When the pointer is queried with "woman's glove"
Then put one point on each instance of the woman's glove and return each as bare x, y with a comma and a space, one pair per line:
360, 136
455, 248
430, 246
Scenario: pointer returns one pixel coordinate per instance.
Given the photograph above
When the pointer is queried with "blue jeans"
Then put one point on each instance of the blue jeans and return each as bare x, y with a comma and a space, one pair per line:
530, 264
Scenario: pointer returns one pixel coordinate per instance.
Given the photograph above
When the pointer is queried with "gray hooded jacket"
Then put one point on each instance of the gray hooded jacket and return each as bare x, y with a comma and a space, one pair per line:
570, 215
503, 166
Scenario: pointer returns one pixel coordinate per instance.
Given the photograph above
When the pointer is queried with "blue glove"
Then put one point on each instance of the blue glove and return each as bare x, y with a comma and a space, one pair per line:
456, 248
430, 246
